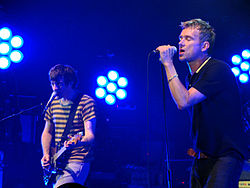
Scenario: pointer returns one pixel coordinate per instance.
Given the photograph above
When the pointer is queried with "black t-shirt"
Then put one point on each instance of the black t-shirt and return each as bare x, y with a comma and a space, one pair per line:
216, 121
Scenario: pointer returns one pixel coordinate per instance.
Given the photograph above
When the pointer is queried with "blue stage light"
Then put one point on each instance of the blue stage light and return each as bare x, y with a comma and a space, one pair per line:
113, 75
100, 93
5, 33
5, 48
236, 59
246, 54
111, 87
102, 81
110, 99
4, 63
122, 82
16, 56
244, 78
236, 71
121, 94
244, 66
16, 41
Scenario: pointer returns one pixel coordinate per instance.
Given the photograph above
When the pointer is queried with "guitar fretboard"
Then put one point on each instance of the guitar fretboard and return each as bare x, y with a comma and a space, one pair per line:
59, 153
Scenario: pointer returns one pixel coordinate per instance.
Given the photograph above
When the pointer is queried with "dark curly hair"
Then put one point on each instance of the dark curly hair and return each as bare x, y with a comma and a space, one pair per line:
66, 72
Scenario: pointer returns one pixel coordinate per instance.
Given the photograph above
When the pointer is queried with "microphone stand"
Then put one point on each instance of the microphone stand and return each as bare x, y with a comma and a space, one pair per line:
21, 112
167, 171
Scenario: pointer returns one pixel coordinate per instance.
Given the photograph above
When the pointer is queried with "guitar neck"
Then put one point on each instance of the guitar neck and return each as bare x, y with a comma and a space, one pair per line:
63, 149
59, 153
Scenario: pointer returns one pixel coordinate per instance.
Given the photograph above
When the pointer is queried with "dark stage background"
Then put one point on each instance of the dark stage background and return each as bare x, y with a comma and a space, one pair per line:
93, 37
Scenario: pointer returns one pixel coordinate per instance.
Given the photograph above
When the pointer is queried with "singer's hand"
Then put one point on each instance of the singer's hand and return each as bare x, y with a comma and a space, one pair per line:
166, 54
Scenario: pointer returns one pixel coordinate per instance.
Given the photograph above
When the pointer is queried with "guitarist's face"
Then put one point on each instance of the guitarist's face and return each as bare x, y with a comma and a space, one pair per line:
59, 87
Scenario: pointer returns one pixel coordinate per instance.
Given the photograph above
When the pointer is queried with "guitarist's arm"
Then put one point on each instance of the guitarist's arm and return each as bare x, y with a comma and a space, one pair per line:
46, 143
88, 137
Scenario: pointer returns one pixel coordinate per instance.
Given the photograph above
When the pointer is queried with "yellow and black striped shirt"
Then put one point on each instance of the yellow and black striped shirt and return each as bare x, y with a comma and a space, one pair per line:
58, 115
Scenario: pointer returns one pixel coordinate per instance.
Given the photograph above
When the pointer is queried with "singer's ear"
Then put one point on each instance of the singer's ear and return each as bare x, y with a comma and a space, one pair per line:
205, 46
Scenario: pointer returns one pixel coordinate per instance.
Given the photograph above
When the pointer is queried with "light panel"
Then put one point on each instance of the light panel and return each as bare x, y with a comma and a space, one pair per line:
121, 94
244, 78
102, 81
113, 75
100, 93
16, 56
111, 87
122, 82
16, 41
246, 54
5, 48
244, 66
4, 63
110, 99
236, 59
5, 33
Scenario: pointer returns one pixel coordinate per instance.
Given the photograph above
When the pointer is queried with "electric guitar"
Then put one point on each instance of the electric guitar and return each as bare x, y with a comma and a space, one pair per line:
50, 173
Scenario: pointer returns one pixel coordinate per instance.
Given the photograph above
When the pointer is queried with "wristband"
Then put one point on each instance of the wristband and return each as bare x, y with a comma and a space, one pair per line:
171, 78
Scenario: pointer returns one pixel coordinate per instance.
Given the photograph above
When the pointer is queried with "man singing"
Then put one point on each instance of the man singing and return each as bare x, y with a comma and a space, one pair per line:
213, 96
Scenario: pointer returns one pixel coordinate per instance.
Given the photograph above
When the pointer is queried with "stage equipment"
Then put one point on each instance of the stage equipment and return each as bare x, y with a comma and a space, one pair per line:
241, 67
111, 87
9, 48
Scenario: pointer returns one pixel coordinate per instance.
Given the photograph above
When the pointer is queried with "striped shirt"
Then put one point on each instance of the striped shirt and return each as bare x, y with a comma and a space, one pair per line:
58, 114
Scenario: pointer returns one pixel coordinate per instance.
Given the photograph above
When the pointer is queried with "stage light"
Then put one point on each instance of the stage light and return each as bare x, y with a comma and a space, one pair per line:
113, 75
244, 78
9, 46
246, 54
4, 63
244, 66
121, 94
110, 99
16, 56
111, 87
102, 81
100, 93
5, 48
122, 82
236, 59
5, 33
16, 41
242, 69
236, 71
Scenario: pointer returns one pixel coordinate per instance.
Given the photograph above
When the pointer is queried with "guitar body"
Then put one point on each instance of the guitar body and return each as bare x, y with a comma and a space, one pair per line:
49, 176
58, 163
50, 173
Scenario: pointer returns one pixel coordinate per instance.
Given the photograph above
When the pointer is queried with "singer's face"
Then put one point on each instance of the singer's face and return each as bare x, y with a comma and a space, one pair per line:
189, 45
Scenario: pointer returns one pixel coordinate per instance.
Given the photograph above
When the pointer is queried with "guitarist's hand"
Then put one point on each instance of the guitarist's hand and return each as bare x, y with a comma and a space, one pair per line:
73, 141
45, 161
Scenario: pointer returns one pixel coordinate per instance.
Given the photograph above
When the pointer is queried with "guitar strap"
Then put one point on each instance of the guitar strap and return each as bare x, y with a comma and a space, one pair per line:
71, 117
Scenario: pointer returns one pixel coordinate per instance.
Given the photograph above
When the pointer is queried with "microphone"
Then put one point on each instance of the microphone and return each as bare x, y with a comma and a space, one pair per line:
157, 51
53, 95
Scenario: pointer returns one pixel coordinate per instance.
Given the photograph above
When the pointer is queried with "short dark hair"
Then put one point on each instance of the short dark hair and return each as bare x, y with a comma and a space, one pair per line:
66, 72
206, 31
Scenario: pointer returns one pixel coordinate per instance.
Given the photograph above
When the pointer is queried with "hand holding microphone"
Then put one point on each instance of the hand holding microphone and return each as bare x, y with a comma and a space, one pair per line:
166, 53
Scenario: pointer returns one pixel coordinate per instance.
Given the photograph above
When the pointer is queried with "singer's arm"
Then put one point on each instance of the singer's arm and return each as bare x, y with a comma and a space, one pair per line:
183, 98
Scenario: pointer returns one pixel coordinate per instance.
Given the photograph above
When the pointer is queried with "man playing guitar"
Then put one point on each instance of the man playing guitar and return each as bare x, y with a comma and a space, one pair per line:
79, 155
